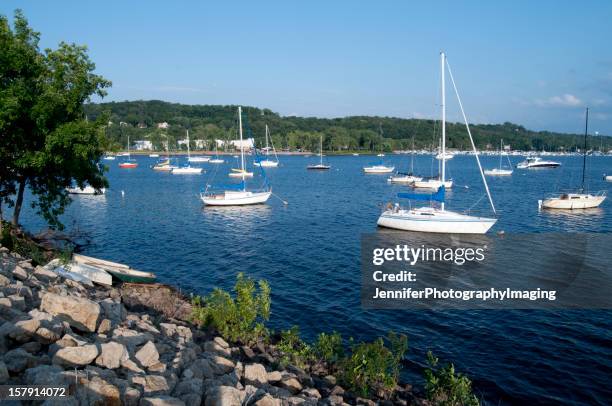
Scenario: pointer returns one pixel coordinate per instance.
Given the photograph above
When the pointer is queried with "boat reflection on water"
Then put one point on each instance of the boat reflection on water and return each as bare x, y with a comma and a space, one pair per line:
579, 220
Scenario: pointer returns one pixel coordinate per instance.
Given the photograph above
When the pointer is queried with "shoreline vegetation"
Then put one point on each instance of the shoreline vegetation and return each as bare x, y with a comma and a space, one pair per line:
149, 344
163, 124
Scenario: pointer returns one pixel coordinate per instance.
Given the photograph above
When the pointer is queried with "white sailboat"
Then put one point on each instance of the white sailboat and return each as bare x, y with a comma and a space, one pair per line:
268, 163
378, 169
216, 159
129, 163
438, 219
86, 190
500, 171
579, 199
537, 162
187, 169
320, 165
406, 178
236, 195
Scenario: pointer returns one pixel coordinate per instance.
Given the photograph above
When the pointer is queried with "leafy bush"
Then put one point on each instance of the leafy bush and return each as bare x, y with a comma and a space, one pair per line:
236, 319
373, 366
445, 388
293, 349
329, 348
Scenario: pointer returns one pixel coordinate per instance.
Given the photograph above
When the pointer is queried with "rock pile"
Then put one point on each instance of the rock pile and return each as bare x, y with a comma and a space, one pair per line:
110, 349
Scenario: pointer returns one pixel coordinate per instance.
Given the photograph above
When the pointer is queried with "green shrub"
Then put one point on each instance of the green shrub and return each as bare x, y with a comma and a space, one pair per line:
374, 366
444, 387
329, 348
236, 319
293, 349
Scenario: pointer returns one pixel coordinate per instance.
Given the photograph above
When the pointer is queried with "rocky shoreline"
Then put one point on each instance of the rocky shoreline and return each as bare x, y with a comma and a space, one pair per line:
135, 345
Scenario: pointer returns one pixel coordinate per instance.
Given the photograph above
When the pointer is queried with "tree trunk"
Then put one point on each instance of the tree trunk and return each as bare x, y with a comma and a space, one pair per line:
18, 202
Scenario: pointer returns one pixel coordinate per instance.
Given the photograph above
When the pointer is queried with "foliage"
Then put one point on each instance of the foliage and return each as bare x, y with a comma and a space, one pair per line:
46, 142
240, 318
208, 122
293, 349
374, 366
328, 348
445, 387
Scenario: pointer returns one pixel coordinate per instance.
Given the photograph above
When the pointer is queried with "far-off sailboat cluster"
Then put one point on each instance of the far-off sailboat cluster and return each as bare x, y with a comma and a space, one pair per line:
432, 217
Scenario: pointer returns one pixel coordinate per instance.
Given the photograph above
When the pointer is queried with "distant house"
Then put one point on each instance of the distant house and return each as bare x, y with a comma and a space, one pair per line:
143, 145
249, 143
507, 148
200, 144
123, 124
182, 142
163, 125
142, 125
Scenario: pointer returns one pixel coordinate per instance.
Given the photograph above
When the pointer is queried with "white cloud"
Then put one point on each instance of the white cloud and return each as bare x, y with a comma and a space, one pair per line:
566, 100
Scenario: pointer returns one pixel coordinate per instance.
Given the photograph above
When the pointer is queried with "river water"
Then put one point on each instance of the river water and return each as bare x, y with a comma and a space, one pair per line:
308, 250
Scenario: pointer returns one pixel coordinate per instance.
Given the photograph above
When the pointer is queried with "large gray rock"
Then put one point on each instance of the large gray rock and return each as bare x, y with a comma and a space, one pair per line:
255, 374
161, 401
19, 360
151, 384
20, 273
76, 356
44, 375
291, 384
80, 313
115, 311
45, 274
268, 400
131, 338
221, 365
112, 355
24, 330
147, 355
224, 396
214, 347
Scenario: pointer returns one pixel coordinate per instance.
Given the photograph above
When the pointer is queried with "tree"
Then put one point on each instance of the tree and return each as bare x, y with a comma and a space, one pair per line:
43, 127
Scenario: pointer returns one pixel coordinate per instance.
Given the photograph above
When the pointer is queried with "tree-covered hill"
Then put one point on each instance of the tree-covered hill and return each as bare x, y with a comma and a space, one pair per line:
209, 122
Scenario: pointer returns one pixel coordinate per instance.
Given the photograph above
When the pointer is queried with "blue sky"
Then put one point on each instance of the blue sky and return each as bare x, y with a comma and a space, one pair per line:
533, 63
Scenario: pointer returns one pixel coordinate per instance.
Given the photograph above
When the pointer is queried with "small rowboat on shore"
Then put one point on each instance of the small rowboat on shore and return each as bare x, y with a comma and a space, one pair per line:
119, 271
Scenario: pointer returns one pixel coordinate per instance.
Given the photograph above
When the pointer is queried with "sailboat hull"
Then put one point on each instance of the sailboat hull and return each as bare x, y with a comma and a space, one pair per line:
498, 172
430, 220
233, 198
432, 184
404, 179
378, 169
573, 201
187, 171
266, 164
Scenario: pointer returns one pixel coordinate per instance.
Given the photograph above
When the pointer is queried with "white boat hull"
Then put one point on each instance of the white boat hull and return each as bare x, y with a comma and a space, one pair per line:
498, 172
241, 174
573, 201
432, 184
198, 159
379, 169
216, 161
608, 178
235, 198
87, 190
431, 220
266, 164
404, 179
187, 171
446, 156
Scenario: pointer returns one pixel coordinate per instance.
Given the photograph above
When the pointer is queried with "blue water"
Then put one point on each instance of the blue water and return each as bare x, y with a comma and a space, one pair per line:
309, 252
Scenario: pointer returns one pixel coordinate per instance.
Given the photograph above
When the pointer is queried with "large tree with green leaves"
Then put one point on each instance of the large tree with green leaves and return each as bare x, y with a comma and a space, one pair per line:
46, 141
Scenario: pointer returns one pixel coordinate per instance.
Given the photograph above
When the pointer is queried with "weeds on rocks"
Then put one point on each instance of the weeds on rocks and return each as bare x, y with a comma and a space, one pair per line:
445, 387
239, 318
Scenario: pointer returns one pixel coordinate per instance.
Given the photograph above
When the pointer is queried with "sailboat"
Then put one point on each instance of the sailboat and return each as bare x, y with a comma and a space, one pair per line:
268, 163
236, 195
165, 165
216, 159
378, 168
320, 165
130, 163
579, 199
438, 219
402, 177
500, 171
187, 169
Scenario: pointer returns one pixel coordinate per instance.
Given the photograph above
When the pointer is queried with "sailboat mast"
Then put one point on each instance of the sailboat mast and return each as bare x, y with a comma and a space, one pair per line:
128, 145
501, 147
188, 151
241, 146
586, 131
267, 150
442, 60
321, 151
